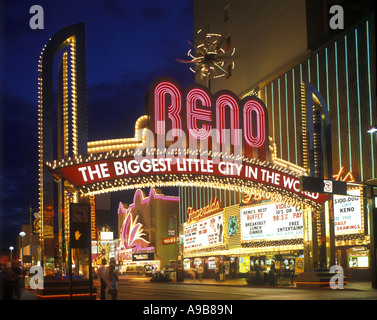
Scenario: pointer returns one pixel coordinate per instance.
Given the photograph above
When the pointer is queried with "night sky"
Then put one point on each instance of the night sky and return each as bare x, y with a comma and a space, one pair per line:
128, 45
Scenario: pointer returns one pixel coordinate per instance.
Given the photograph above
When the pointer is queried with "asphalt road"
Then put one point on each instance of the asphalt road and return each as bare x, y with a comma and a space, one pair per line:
188, 300
141, 289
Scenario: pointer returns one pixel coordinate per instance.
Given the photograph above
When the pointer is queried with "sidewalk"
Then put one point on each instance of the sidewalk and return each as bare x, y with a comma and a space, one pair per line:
351, 285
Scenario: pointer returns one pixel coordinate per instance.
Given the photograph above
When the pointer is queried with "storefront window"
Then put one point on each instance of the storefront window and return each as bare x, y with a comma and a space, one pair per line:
211, 263
197, 262
186, 264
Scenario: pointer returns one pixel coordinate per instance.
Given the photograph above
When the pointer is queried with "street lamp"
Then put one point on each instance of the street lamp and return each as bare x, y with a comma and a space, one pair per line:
11, 249
22, 234
372, 128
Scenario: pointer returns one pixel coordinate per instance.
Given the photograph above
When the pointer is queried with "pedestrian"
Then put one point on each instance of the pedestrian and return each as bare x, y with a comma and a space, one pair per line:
292, 271
113, 282
18, 283
200, 272
217, 276
102, 277
193, 273
221, 273
272, 266
8, 279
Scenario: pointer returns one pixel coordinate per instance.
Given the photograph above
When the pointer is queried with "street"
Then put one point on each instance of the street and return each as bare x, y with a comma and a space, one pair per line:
228, 299
142, 289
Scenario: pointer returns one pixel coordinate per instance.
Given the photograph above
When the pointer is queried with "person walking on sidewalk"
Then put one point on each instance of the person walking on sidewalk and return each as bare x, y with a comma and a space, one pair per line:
200, 272
102, 277
113, 282
217, 276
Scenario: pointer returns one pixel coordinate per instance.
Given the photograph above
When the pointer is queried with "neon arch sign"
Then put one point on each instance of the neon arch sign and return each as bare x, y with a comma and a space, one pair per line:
202, 116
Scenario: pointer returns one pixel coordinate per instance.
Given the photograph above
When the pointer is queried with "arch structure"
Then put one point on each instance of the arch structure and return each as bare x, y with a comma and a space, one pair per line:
62, 129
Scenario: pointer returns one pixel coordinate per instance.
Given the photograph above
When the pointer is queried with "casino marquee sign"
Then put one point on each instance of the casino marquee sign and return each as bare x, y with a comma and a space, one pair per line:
194, 138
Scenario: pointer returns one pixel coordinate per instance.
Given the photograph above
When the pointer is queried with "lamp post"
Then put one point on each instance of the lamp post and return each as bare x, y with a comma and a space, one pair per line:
11, 249
22, 234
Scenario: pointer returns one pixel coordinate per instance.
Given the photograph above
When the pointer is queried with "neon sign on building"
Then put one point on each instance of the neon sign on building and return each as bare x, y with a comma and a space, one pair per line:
201, 115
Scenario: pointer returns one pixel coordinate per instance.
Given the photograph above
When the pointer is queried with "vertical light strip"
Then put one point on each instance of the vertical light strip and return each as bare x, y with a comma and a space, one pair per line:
273, 111
286, 115
294, 113
180, 205
309, 70
196, 199
327, 80
200, 198
40, 144
358, 107
337, 104
327, 85
186, 205
192, 197
281, 140
304, 130
370, 100
348, 106
65, 106
74, 96
181, 197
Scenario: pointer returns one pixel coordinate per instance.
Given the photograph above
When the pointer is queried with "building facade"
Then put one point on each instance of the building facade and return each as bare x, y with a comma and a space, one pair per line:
279, 48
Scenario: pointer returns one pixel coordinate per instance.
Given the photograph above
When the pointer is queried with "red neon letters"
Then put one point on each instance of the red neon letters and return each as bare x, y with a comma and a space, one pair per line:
193, 109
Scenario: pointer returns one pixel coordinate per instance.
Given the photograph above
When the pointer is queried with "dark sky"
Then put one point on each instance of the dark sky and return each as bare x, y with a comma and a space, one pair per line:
128, 45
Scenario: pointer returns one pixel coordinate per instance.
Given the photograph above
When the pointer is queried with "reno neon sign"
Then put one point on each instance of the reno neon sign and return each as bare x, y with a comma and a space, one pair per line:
203, 116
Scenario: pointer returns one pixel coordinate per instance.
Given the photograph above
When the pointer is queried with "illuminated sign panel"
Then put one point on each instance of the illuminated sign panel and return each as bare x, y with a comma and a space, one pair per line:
196, 112
347, 213
204, 233
213, 207
117, 168
271, 221
358, 259
107, 236
92, 203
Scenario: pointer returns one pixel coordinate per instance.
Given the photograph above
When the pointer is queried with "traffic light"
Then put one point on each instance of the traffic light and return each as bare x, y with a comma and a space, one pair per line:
80, 232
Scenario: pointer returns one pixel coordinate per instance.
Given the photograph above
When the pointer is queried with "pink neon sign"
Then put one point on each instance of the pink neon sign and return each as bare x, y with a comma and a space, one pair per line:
196, 112
132, 235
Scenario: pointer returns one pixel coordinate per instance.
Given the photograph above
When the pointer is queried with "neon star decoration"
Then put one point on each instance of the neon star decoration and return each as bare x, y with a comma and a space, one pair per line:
211, 56
132, 235
132, 232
